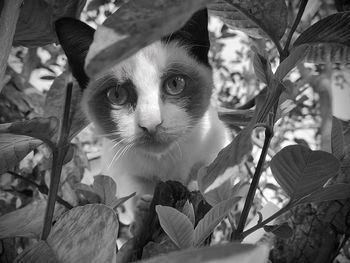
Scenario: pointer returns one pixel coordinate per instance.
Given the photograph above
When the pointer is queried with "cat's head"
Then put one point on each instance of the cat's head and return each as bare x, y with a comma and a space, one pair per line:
153, 98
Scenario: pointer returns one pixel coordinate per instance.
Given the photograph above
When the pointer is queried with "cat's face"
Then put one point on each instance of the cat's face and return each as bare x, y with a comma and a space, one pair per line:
151, 99
154, 98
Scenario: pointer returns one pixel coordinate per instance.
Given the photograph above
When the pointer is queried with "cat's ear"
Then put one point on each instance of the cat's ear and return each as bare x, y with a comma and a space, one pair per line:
195, 35
75, 38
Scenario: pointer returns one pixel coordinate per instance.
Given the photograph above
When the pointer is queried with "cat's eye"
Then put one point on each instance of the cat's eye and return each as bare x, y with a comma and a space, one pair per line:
174, 85
118, 95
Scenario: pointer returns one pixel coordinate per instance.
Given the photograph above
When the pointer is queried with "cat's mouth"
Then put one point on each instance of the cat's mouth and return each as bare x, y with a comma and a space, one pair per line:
154, 143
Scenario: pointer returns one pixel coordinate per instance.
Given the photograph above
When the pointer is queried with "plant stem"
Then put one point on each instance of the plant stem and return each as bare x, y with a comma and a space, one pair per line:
266, 221
58, 154
237, 235
285, 51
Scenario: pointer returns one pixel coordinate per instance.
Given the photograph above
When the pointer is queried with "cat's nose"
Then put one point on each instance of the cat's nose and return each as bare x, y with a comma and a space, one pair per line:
150, 128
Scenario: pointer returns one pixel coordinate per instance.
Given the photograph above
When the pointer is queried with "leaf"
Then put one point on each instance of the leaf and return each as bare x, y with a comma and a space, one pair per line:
282, 231
40, 252
296, 55
85, 234
234, 116
330, 39
332, 192
176, 225
118, 201
39, 127
337, 139
88, 193
228, 157
13, 148
218, 191
55, 99
26, 221
135, 25
35, 22
256, 18
232, 252
188, 210
105, 187
262, 68
211, 219
300, 171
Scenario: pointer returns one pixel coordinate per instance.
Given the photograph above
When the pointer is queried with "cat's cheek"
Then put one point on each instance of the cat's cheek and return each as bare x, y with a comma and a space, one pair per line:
175, 118
126, 124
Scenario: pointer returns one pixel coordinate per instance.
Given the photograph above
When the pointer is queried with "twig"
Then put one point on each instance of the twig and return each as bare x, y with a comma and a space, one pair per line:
58, 154
285, 51
237, 235
8, 20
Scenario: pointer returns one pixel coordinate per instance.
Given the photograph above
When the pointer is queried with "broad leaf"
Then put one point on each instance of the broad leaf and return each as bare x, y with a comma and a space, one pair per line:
218, 191
337, 139
106, 188
135, 25
27, 221
40, 252
176, 225
13, 148
88, 192
332, 192
85, 234
55, 100
39, 127
296, 56
300, 171
330, 39
282, 231
230, 156
256, 18
211, 219
35, 22
232, 252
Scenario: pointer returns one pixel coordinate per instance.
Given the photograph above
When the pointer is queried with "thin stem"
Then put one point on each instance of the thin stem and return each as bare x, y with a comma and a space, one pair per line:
42, 189
285, 52
58, 155
237, 235
266, 221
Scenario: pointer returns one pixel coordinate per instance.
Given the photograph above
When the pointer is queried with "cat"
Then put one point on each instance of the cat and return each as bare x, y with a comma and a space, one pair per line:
154, 108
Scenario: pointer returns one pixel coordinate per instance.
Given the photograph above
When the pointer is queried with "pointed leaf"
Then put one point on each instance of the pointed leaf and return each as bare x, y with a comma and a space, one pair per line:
330, 39
256, 18
188, 210
296, 56
105, 187
262, 68
13, 148
85, 234
88, 192
26, 221
176, 225
299, 170
235, 117
215, 215
135, 25
282, 231
39, 127
119, 201
40, 252
337, 139
232, 252
332, 192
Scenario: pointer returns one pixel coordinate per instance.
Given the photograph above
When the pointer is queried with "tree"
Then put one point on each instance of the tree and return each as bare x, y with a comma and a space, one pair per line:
41, 144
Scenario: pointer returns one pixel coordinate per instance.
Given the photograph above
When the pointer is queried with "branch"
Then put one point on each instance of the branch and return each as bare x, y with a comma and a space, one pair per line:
8, 20
58, 154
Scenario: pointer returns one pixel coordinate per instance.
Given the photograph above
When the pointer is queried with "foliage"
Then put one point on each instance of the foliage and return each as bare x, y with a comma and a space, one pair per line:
41, 154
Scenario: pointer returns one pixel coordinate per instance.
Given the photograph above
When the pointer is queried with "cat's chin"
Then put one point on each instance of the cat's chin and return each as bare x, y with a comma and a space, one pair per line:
155, 147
